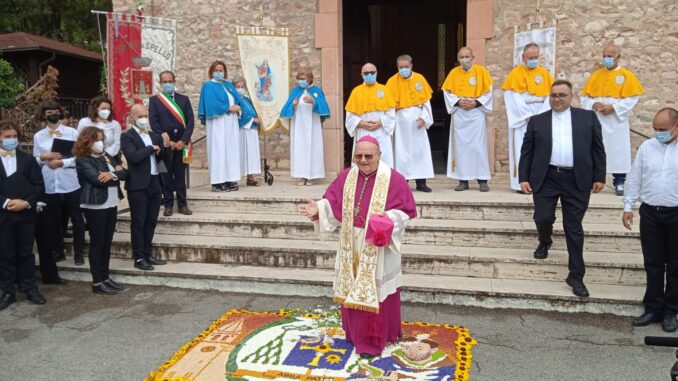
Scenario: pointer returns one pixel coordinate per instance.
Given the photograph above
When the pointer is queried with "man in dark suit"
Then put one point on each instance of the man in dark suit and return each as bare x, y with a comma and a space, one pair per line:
144, 151
563, 157
170, 112
21, 187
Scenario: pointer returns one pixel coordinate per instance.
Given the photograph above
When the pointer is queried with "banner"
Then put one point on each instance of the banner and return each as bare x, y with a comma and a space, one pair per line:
546, 39
264, 59
138, 49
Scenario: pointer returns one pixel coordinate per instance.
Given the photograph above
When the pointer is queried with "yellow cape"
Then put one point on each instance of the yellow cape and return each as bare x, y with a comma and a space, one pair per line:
365, 98
413, 91
471, 84
619, 83
535, 81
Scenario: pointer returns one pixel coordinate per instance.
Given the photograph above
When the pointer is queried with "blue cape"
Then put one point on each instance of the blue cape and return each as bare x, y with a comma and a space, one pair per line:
320, 105
214, 101
249, 110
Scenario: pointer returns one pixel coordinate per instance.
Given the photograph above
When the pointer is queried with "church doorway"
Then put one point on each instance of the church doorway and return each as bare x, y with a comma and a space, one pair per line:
431, 31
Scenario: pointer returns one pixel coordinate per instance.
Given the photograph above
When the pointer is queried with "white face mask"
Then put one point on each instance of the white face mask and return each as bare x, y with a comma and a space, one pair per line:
104, 113
143, 123
98, 147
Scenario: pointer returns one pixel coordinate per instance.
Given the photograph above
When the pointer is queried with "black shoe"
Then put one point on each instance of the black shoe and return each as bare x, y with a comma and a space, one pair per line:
219, 188
143, 264
78, 260
233, 187
104, 289
542, 250
646, 319
484, 187
34, 296
156, 261
114, 285
56, 281
424, 188
60, 258
669, 323
578, 287
463, 185
7, 299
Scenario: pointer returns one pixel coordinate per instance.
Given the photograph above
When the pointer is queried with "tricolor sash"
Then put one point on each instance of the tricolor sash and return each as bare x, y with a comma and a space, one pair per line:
173, 108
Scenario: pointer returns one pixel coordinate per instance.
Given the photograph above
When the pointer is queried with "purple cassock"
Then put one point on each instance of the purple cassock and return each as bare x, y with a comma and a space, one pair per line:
368, 331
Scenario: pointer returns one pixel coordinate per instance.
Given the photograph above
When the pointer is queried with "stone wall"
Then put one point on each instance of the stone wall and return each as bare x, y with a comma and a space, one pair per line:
646, 29
205, 33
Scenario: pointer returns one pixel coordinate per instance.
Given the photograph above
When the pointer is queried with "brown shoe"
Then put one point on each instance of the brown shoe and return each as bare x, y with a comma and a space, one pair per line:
168, 212
185, 211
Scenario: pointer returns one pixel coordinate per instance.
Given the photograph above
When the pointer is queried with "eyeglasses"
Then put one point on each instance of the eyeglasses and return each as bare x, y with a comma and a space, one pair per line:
360, 157
559, 96
369, 72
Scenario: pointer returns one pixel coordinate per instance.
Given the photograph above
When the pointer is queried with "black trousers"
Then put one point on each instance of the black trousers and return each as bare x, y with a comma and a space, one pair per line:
144, 208
50, 230
17, 262
174, 181
101, 228
659, 241
574, 202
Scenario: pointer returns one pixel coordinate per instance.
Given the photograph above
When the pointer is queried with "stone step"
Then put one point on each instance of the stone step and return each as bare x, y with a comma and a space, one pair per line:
468, 233
422, 288
478, 262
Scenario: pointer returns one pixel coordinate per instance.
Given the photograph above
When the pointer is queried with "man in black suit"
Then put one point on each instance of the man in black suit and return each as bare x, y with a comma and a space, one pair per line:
21, 187
563, 157
144, 151
170, 112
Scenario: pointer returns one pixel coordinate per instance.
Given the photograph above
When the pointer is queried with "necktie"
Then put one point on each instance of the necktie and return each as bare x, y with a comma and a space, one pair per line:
4, 153
54, 133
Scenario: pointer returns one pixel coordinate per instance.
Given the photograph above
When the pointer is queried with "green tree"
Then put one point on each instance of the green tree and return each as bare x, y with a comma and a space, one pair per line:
63, 20
10, 85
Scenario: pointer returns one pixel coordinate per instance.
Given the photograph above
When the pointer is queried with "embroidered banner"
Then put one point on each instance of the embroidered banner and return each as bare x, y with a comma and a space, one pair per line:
545, 38
264, 58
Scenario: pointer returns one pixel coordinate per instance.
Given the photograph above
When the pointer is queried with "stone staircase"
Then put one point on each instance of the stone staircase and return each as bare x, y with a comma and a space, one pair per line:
465, 248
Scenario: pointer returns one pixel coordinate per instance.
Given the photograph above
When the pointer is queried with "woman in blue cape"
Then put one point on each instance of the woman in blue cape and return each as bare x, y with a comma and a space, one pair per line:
307, 107
222, 110
250, 158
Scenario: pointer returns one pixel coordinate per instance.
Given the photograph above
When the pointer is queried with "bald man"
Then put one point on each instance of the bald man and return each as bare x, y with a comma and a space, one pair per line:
144, 151
654, 180
370, 110
612, 91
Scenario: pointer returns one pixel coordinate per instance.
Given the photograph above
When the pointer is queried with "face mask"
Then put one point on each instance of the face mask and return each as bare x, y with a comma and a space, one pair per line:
218, 75
104, 113
241, 91
465, 63
53, 118
168, 88
98, 147
608, 62
143, 123
10, 144
532, 63
405, 72
303, 83
370, 79
663, 136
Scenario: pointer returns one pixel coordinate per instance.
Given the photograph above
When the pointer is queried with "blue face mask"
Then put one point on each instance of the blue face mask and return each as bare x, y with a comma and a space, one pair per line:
532, 63
663, 136
303, 83
10, 144
218, 75
608, 62
168, 88
405, 72
370, 79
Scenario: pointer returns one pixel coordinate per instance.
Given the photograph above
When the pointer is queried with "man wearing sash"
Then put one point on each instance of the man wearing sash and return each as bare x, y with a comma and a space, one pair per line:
612, 91
526, 91
468, 97
171, 112
370, 110
412, 95
372, 204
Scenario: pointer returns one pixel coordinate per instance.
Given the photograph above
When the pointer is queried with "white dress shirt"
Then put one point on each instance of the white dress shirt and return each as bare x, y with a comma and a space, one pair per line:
112, 131
147, 140
654, 176
58, 180
562, 151
9, 162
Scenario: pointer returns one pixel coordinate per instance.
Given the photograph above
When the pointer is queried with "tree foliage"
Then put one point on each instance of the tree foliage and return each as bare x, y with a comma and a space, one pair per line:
64, 20
10, 85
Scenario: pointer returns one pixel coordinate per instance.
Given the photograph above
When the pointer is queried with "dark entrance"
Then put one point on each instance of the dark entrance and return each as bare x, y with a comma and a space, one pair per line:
431, 31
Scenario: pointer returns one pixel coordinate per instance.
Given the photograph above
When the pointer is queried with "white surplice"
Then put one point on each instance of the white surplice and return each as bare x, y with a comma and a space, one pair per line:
250, 158
468, 145
616, 131
383, 135
223, 147
520, 107
412, 148
307, 158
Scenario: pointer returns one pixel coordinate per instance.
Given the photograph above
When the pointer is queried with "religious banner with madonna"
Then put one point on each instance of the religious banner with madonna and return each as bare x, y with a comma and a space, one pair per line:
265, 62
545, 38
